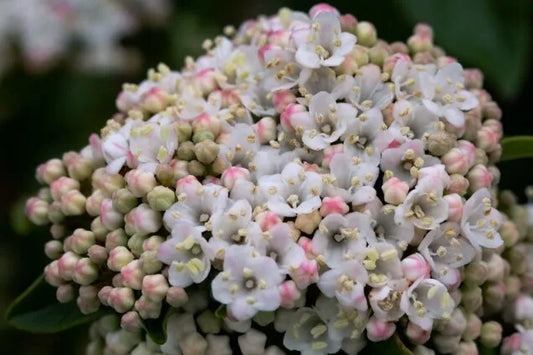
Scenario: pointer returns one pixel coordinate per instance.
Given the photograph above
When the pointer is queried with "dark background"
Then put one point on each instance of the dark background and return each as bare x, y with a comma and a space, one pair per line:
43, 115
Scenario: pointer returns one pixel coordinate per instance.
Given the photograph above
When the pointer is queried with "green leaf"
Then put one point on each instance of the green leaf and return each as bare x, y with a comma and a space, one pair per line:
391, 346
37, 310
517, 147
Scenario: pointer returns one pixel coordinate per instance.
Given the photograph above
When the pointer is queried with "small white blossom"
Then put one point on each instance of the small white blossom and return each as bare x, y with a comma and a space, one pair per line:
480, 221
369, 91
346, 283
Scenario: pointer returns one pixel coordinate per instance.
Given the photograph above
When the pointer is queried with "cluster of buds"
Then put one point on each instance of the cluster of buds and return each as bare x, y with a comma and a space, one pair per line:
45, 30
302, 175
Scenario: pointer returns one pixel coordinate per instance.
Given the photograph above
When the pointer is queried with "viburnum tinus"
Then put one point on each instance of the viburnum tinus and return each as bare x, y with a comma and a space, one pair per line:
302, 186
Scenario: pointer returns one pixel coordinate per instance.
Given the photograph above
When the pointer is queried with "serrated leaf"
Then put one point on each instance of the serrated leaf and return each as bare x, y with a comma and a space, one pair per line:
37, 310
517, 147
391, 346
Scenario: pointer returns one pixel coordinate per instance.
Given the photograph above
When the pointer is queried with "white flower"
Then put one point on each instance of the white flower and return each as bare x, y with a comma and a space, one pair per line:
341, 238
425, 301
387, 230
293, 192
115, 148
248, 284
480, 221
424, 207
188, 254
369, 91
325, 122
385, 302
382, 260
413, 119
445, 95
409, 79
346, 283
363, 136
241, 146
326, 45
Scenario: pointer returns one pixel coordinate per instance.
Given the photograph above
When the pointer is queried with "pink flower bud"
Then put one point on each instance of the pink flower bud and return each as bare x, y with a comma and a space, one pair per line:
132, 275
118, 258
85, 272
65, 293
289, 294
176, 297
121, 299
78, 166
205, 81
479, 177
415, 267
511, 344
155, 100
304, 274
97, 254
456, 161
266, 130
348, 23
207, 122
322, 7
81, 241
333, 205
390, 62
103, 294
229, 97
50, 171
53, 249
153, 243
73, 203
231, 175
130, 321
307, 223
88, 301
110, 217
267, 220
455, 207
147, 308
108, 183
416, 334
142, 220
307, 246
93, 203
52, 275
37, 211
140, 182
379, 329
395, 190
458, 184
488, 139
282, 99
116, 238
62, 185
66, 264
286, 115
473, 79
155, 287
420, 42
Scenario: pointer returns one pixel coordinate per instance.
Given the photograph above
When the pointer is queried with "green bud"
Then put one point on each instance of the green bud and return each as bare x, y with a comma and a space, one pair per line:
491, 334
513, 286
184, 131
471, 298
135, 244
493, 297
203, 135
99, 230
149, 262
476, 273
378, 54
366, 34
509, 233
517, 258
217, 167
208, 322
196, 168
473, 327
206, 151
186, 151
161, 198
124, 201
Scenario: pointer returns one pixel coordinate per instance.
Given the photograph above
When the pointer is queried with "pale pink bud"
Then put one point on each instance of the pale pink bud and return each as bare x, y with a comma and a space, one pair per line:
282, 99
81, 241
416, 334
322, 7
85, 272
108, 183
132, 275
289, 294
97, 254
62, 185
52, 275
155, 100
50, 171
379, 329
307, 223
53, 249
479, 177
116, 238
420, 42
390, 62
469, 150
491, 110
37, 210
205, 81
231, 175
286, 115
473, 327
147, 308
153, 243
140, 182
348, 23
488, 139
130, 321
304, 274
330, 152
121, 299
78, 166
307, 246
118, 258
267, 220
266, 130
229, 97
66, 264
110, 217
395, 190
65, 293
415, 266
103, 294
142, 220
458, 184
333, 205
155, 287
456, 161
366, 34
57, 231
176, 297
93, 203
73, 203
207, 122
511, 344
88, 301
473, 79
455, 207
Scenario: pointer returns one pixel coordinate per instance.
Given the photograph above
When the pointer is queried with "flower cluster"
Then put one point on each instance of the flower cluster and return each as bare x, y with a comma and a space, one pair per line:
45, 30
302, 175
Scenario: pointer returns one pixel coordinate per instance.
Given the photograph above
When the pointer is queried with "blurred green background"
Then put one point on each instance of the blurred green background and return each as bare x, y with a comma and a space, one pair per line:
43, 115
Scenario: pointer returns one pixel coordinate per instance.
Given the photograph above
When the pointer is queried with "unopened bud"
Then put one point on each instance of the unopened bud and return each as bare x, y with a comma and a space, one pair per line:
63, 185
455, 207
473, 79
440, 142
142, 220
307, 223
97, 254
479, 177
206, 151
53, 249
378, 53
118, 258
202, 135
496, 266
155, 100
147, 308
251, 342
265, 129
231, 175
456, 162
132, 275
37, 211
99, 230
517, 257
471, 298
491, 334
348, 23
415, 266
456, 325
123, 200
193, 343
458, 184
394, 190
140, 182
208, 322
416, 334
110, 217
184, 130
116, 238
176, 297
121, 299
78, 167
289, 294
65, 293
282, 98
378, 329
186, 151
333, 205
161, 198
88, 301
426, 58
85, 272
493, 297
50, 171
476, 273
93, 203
155, 287
194, 167
513, 285
73, 203
131, 321
446, 344
150, 264
366, 34
52, 274
473, 327
66, 265
82, 240
491, 110
420, 43
488, 139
